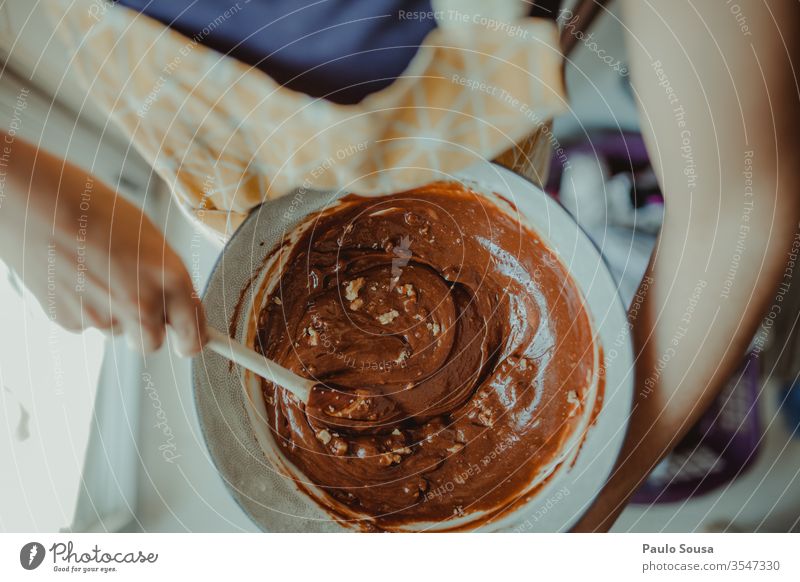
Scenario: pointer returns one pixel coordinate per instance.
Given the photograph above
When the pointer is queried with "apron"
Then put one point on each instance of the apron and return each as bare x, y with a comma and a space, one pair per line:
225, 136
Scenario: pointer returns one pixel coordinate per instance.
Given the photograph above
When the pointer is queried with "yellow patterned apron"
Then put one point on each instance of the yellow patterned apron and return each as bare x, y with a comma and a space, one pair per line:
225, 136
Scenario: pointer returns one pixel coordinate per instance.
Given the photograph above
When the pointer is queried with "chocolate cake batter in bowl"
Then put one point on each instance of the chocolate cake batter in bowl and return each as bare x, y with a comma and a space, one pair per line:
471, 351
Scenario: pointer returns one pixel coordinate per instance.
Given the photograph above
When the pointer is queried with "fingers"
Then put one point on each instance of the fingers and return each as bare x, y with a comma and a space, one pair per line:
141, 315
144, 322
141, 305
102, 320
68, 314
173, 303
152, 334
96, 311
186, 317
144, 334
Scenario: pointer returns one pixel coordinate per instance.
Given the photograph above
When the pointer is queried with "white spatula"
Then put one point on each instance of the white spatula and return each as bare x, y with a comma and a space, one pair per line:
258, 364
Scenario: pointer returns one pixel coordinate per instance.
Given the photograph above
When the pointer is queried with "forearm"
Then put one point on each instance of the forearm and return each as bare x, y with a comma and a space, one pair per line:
42, 199
94, 257
31, 184
688, 339
17, 157
715, 119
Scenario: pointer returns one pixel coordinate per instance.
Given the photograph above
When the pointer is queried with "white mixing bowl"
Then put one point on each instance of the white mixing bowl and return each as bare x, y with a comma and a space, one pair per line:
232, 411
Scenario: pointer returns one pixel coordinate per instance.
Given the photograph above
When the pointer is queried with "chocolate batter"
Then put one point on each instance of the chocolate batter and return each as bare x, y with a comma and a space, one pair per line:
465, 326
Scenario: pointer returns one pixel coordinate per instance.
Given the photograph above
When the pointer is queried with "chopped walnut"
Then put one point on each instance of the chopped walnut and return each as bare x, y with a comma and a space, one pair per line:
277, 300
387, 459
434, 327
388, 317
572, 398
355, 406
356, 305
485, 418
313, 336
324, 436
340, 240
339, 447
396, 432
407, 290
455, 448
352, 288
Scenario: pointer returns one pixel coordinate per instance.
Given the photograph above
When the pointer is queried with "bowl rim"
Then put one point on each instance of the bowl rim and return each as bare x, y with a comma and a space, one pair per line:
520, 192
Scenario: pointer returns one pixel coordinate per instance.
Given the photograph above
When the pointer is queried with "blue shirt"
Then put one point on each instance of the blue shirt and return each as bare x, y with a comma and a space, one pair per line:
342, 50
339, 49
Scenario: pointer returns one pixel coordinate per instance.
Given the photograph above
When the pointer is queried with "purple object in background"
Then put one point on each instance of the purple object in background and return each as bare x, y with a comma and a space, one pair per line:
339, 49
722, 445
620, 152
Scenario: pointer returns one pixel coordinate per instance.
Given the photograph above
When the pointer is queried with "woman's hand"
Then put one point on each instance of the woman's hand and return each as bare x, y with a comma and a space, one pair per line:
91, 258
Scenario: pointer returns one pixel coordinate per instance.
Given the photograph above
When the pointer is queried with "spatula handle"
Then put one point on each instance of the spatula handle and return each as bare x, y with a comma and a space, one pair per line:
241, 354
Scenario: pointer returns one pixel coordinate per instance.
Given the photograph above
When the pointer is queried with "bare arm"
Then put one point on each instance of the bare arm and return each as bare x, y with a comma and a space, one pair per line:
719, 110
90, 257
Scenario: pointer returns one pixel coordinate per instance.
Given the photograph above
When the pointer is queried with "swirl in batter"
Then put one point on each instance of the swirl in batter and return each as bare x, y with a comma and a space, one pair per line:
464, 323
